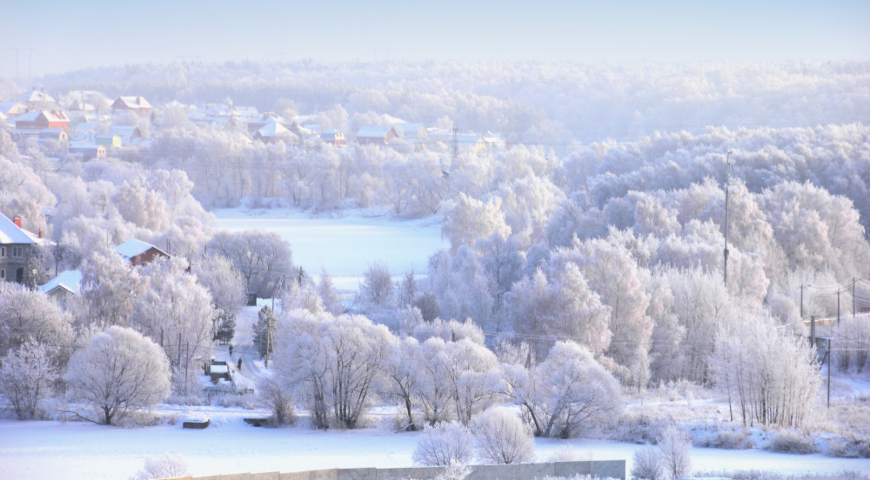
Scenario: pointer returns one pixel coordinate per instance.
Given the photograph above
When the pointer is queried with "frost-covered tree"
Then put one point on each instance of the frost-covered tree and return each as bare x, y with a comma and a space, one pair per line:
565, 394
179, 314
227, 289
278, 398
502, 438
326, 289
562, 306
110, 288
771, 375
263, 258
30, 316
27, 376
675, 446
333, 363
614, 275
400, 372
376, 290
460, 285
265, 332
646, 464
470, 219
447, 443
119, 372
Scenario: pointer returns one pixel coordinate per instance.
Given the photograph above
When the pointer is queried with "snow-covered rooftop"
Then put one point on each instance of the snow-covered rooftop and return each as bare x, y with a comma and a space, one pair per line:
70, 280
10, 233
134, 247
373, 131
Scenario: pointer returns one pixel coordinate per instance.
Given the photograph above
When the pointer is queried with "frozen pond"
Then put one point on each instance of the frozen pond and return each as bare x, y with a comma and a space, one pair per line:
345, 246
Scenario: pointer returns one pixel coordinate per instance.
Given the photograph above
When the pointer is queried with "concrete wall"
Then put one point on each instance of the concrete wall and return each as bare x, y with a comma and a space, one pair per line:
523, 471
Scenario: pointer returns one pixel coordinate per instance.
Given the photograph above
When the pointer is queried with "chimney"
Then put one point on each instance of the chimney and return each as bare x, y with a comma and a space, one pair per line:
40, 233
139, 100
17, 221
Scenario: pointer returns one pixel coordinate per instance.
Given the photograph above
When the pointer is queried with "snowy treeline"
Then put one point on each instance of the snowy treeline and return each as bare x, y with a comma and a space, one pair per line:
340, 366
541, 102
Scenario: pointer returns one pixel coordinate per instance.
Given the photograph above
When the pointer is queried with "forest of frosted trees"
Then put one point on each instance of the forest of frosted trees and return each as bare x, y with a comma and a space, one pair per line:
590, 253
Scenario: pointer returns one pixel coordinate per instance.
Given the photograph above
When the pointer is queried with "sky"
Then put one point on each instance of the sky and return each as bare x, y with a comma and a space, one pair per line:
52, 36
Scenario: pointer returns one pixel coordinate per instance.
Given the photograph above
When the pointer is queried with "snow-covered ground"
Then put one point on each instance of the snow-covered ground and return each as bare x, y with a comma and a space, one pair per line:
49, 450
346, 244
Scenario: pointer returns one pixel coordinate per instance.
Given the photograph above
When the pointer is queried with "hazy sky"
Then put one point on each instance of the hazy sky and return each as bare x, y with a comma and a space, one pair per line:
71, 35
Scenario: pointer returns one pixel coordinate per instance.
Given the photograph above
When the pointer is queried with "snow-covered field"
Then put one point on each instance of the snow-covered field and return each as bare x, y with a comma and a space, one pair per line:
347, 244
51, 450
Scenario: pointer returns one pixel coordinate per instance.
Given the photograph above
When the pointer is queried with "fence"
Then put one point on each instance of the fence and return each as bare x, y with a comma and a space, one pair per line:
522, 471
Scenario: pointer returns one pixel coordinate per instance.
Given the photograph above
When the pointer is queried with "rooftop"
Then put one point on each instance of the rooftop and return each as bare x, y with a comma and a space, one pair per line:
134, 247
69, 280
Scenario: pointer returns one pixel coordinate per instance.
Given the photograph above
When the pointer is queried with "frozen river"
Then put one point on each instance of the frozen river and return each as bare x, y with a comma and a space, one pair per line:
345, 246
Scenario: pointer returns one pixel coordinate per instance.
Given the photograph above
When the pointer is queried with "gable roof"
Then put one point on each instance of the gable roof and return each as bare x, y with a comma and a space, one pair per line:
6, 107
50, 115
272, 128
373, 131
409, 128
134, 102
35, 96
10, 233
69, 280
134, 247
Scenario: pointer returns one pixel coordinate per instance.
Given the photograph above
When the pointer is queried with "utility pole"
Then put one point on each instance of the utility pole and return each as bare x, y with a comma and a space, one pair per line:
838, 307
853, 297
455, 141
802, 300
725, 252
812, 331
829, 372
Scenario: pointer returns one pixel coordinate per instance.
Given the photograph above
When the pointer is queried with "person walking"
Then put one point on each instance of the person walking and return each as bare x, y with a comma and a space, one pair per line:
240, 364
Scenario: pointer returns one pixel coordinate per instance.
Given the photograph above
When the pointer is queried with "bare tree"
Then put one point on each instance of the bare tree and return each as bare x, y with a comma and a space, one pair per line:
502, 438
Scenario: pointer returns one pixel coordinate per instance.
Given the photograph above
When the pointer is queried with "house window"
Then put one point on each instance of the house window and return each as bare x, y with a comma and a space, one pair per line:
2, 252
2, 274
16, 251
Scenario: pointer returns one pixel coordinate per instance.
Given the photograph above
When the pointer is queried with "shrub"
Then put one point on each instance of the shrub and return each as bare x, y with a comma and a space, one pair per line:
788, 442
675, 446
851, 447
502, 438
647, 464
167, 466
278, 398
443, 444
728, 440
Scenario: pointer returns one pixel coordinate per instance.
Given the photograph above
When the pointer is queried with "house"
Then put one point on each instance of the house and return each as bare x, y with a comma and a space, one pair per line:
129, 135
413, 132
274, 131
35, 97
58, 135
79, 106
17, 247
13, 109
254, 125
375, 134
471, 141
87, 151
138, 252
64, 286
494, 141
333, 137
108, 140
42, 119
132, 104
